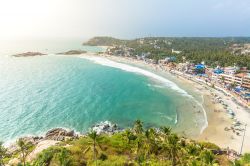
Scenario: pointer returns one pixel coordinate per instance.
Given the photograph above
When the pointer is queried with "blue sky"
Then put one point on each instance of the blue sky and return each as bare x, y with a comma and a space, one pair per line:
123, 18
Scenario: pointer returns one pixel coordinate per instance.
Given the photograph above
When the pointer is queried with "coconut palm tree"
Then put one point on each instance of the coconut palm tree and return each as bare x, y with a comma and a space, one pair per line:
174, 148
64, 157
207, 157
150, 141
94, 137
3, 151
24, 149
166, 131
192, 149
147, 143
138, 127
129, 135
139, 148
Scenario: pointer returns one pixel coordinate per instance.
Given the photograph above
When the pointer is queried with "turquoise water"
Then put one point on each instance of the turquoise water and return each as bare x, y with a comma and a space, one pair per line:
40, 93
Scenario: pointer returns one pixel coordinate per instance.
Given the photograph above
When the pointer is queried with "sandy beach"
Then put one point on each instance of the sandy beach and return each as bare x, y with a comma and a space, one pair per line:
217, 116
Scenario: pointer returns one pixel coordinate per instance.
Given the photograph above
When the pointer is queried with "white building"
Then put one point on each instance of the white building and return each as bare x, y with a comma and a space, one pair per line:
176, 52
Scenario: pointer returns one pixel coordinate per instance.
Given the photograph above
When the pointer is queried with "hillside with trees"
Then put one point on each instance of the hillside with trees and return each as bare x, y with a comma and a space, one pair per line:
133, 146
213, 51
104, 41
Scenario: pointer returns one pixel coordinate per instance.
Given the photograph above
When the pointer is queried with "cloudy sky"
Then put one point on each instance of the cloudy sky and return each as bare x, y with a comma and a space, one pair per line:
123, 18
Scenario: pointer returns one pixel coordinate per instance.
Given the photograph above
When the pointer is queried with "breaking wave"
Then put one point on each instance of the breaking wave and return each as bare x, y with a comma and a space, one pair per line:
125, 67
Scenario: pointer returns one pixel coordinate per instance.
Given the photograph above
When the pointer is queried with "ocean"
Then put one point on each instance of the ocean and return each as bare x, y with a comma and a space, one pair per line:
44, 92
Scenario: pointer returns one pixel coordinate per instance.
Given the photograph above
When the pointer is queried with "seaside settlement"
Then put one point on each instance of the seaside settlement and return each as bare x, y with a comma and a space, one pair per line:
233, 80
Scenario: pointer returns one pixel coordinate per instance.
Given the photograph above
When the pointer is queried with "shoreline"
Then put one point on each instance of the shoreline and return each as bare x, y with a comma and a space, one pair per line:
166, 82
217, 120
217, 116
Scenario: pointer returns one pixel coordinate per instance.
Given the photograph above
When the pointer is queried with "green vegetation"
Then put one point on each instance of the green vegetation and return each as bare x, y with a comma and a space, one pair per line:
213, 51
245, 160
3, 153
54, 156
216, 57
25, 148
104, 41
136, 146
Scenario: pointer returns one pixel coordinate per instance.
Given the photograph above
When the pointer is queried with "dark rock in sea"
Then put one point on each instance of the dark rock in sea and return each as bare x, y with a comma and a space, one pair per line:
27, 54
60, 134
106, 127
73, 52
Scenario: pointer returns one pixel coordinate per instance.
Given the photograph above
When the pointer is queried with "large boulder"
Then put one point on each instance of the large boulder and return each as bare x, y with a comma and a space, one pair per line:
59, 134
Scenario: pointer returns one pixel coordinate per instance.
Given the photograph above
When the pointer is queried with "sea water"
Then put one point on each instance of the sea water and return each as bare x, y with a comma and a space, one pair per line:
44, 92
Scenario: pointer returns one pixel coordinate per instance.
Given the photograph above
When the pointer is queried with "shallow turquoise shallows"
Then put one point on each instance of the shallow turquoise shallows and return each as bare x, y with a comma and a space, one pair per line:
40, 93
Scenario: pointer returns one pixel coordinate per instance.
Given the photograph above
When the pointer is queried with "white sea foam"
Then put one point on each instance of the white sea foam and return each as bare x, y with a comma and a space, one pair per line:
125, 67
205, 115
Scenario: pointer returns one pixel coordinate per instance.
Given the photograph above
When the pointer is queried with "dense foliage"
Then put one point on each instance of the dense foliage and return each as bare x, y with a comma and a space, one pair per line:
135, 146
104, 41
213, 51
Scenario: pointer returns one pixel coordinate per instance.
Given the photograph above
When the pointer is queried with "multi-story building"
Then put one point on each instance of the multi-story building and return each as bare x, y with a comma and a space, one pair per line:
241, 79
245, 77
230, 70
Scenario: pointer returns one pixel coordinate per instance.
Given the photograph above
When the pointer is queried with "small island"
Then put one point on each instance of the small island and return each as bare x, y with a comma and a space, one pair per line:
27, 54
73, 52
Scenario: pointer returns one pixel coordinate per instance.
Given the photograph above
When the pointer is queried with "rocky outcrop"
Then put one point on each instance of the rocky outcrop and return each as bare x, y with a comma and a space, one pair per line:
56, 134
106, 127
60, 134
27, 54
73, 52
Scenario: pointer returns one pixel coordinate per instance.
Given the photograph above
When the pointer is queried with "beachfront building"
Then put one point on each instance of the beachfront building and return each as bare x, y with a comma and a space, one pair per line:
215, 73
241, 79
230, 70
245, 79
